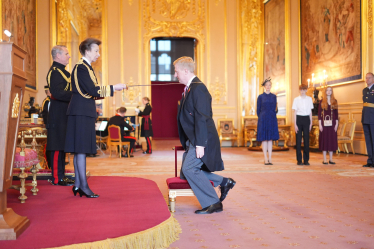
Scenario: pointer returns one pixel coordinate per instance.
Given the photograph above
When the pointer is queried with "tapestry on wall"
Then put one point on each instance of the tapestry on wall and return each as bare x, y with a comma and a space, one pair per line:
330, 40
274, 53
19, 17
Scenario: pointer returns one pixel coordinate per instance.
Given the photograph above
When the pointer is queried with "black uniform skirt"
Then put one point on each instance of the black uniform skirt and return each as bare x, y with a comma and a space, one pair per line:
80, 135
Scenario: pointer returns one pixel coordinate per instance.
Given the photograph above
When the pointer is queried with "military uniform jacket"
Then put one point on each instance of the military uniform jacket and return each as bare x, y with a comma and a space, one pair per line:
195, 123
120, 121
85, 91
45, 110
146, 121
60, 97
367, 111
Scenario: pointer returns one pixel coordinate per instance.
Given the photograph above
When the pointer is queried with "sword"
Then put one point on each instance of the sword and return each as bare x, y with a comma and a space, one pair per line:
157, 84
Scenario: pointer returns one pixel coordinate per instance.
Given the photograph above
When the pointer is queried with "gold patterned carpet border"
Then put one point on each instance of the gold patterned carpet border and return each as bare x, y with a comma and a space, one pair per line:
160, 236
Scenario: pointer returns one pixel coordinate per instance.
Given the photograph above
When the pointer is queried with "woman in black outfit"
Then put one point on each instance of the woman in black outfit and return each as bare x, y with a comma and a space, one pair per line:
80, 133
146, 129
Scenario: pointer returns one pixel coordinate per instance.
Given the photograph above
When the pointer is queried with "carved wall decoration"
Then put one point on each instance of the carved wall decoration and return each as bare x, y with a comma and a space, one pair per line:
251, 34
370, 17
132, 94
218, 91
130, 2
217, 2
193, 25
15, 107
175, 9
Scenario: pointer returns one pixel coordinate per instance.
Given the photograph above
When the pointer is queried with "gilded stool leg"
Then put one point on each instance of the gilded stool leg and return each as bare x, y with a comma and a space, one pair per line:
172, 198
34, 189
22, 176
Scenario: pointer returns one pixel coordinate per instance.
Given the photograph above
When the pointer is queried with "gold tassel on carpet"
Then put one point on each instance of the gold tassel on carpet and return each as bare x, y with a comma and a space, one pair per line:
160, 236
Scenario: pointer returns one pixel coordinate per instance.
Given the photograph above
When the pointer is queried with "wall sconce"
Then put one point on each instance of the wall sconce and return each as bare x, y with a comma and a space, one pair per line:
7, 33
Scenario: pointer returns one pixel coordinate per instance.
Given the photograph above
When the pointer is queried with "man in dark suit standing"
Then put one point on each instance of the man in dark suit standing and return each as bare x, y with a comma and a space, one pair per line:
199, 137
59, 85
368, 118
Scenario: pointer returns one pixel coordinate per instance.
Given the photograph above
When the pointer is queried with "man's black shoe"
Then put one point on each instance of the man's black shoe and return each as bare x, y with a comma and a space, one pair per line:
68, 180
368, 165
131, 155
225, 189
146, 152
306, 163
61, 183
215, 208
300, 163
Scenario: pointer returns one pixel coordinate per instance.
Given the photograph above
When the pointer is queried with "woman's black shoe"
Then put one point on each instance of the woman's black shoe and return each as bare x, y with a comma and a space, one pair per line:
325, 162
331, 162
75, 190
81, 193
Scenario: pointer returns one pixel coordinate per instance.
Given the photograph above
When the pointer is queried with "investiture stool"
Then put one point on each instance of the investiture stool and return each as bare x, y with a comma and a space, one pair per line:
368, 118
58, 80
199, 138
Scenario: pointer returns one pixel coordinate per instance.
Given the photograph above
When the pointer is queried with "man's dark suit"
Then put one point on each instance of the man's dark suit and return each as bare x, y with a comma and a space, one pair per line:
196, 128
368, 121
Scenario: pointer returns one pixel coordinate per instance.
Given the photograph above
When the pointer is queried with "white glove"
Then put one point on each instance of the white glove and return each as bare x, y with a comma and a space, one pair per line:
119, 87
137, 110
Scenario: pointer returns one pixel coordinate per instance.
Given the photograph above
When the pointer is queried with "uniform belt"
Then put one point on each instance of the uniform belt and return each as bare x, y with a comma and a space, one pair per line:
369, 105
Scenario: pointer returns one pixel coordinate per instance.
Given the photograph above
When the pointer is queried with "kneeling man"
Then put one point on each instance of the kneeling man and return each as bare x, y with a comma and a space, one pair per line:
119, 120
199, 137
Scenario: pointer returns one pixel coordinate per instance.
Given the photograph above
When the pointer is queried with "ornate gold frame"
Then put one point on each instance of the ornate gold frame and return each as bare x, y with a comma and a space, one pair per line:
364, 44
287, 41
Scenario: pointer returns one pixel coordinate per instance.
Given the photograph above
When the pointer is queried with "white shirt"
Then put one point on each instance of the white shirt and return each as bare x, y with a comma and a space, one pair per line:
189, 82
84, 58
303, 106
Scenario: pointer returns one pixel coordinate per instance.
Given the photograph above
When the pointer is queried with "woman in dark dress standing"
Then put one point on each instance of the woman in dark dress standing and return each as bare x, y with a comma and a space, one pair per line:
328, 136
80, 133
146, 128
267, 126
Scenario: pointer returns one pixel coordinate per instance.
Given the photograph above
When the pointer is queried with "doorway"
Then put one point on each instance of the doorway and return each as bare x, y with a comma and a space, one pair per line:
164, 51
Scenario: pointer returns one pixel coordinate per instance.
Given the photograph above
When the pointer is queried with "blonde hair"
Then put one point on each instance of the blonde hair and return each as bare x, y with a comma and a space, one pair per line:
185, 62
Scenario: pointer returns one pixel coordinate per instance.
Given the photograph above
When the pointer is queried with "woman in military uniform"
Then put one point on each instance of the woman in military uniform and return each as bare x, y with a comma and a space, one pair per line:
146, 128
80, 134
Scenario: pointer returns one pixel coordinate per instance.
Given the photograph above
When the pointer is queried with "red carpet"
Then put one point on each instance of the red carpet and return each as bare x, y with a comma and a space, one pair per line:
126, 205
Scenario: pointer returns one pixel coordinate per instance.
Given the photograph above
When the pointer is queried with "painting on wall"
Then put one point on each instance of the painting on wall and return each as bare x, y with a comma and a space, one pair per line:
275, 50
19, 17
330, 41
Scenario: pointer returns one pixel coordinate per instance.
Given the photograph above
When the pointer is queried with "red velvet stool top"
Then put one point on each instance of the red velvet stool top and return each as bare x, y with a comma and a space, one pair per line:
177, 183
23, 161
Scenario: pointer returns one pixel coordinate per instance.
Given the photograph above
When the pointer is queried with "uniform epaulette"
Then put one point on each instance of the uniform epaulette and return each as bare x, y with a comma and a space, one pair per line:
104, 91
68, 85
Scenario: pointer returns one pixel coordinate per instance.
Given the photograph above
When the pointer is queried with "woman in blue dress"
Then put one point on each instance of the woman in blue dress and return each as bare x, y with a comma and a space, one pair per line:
267, 126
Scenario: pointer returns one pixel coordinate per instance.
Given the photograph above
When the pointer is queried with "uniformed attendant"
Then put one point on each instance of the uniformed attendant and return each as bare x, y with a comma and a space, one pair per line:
119, 120
80, 133
58, 80
368, 118
146, 128
45, 105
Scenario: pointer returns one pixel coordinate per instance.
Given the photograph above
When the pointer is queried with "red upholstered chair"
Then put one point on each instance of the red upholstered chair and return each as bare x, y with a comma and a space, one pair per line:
114, 139
177, 186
